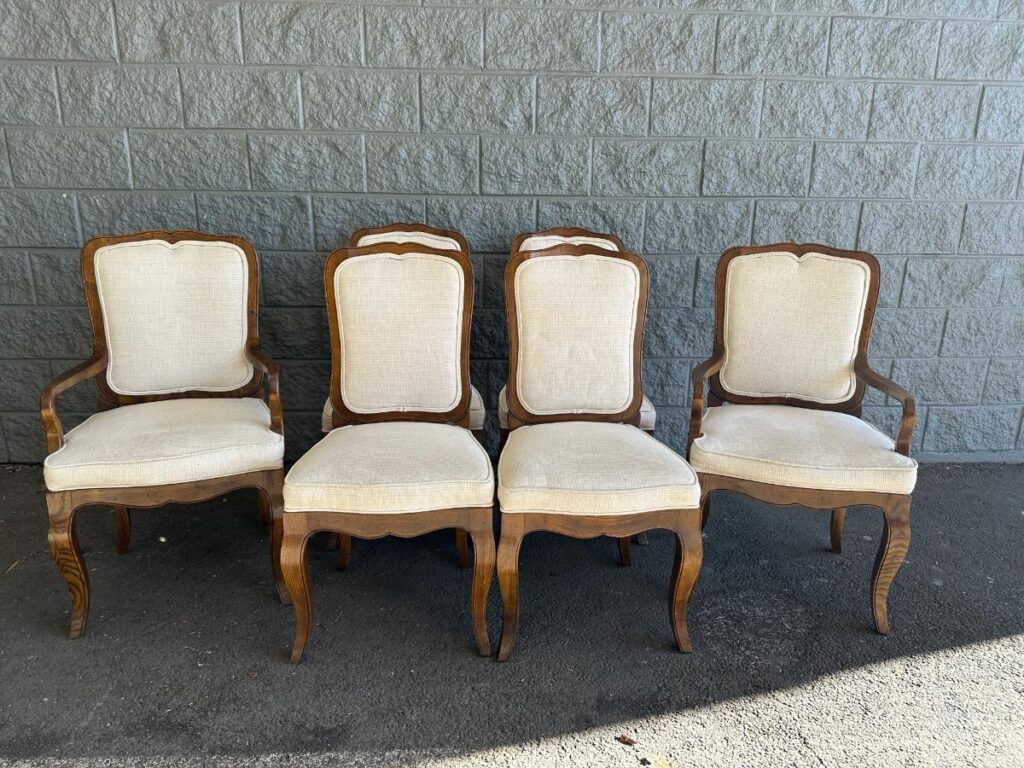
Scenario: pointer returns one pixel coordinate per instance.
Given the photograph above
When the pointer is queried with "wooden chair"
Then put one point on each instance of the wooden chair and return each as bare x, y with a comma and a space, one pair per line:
575, 461
180, 377
537, 241
430, 237
787, 377
400, 460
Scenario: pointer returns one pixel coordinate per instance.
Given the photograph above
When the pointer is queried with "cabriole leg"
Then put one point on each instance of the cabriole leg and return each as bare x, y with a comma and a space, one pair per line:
462, 547
625, 553
483, 574
508, 580
295, 568
836, 529
63, 541
272, 498
344, 551
685, 570
891, 551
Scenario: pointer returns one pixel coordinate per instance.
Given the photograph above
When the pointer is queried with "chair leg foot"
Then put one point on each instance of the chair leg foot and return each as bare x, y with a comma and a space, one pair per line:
462, 547
295, 567
483, 574
62, 538
685, 570
123, 519
625, 553
891, 552
836, 529
344, 551
508, 580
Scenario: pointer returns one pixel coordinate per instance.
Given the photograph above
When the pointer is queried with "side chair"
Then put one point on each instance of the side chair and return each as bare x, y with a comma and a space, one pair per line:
575, 461
786, 382
181, 381
537, 241
440, 239
400, 459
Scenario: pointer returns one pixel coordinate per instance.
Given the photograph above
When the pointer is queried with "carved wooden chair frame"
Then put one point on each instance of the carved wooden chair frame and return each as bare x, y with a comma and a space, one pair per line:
344, 542
405, 226
895, 507
477, 522
567, 232
63, 505
625, 550
684, 523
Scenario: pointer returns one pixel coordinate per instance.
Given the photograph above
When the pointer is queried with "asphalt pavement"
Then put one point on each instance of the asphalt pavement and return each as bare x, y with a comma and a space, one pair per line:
184, 661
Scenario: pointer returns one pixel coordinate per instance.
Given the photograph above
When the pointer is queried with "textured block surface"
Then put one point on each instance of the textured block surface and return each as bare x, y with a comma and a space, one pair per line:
684, 127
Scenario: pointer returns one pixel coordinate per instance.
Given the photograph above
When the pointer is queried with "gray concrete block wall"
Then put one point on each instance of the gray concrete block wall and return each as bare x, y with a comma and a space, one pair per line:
685, 127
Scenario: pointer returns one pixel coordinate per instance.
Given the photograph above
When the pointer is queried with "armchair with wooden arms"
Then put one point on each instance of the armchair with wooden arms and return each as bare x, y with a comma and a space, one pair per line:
180, 378
785, 384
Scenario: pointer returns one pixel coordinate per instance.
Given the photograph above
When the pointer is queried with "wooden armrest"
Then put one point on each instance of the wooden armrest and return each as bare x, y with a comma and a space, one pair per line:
873, 378
701, 374
272, 371
92, 367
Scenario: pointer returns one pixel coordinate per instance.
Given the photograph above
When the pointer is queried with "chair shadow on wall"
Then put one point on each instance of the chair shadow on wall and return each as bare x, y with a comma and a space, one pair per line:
393, 665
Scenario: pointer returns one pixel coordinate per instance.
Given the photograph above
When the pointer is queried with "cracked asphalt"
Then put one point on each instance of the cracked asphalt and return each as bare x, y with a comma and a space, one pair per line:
184, 661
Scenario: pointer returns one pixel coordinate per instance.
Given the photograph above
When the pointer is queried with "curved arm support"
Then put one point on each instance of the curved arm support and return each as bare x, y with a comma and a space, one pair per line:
272, 370
873, 378
700, 375
92, 367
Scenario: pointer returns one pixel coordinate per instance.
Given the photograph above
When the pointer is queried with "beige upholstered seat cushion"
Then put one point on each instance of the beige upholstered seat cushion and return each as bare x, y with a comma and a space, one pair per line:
792, 325
175, 315
400, 320
391, 467
592, 468
477, 412
648, 416
576, 320
540, 242
427, 239
168, 441
800, 448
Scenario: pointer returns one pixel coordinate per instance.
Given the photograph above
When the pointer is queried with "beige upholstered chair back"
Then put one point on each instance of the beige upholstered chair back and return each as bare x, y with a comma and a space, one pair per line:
417, 234
792, 319
400, 321
576, 317
538, 241
174, 313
